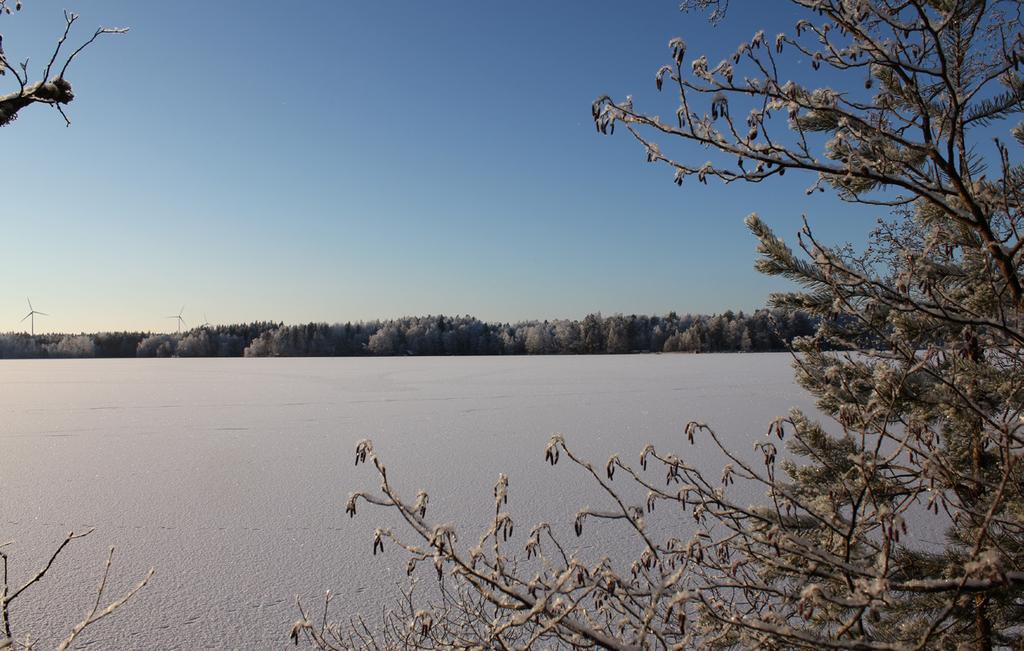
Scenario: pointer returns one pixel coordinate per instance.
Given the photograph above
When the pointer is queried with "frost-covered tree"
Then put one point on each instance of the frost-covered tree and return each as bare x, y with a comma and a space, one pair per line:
72, 346
617, 334
540, 339
592, 333
900, 105
567, 334
386, 341
158, 345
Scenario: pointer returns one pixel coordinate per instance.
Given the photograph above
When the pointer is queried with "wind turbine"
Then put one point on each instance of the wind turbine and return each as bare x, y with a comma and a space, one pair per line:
178, 317
32, 312
205, 323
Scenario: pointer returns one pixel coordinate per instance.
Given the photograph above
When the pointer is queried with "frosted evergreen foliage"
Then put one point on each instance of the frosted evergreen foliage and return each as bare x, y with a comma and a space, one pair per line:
926, 428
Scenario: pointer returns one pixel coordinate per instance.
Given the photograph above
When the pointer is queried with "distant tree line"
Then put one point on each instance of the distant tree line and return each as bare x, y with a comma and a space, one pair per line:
762, 330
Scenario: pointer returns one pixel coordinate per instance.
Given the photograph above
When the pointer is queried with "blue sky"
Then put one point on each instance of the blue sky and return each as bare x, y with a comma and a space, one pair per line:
334, 161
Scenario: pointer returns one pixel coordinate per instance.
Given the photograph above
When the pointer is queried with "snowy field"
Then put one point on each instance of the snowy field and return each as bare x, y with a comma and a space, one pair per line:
229, 476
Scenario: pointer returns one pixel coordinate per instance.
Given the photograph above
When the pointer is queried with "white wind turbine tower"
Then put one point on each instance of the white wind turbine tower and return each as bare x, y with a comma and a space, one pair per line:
178, 317
32, 312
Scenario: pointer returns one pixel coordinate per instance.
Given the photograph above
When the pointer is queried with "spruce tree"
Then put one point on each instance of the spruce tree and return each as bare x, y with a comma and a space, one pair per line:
917, 360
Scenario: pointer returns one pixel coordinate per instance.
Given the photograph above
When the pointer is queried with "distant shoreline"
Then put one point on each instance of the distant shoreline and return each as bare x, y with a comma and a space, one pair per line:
636, 353
436, 336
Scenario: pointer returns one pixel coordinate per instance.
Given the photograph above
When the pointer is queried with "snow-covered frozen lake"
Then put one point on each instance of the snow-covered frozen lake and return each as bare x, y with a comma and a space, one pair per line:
229, 476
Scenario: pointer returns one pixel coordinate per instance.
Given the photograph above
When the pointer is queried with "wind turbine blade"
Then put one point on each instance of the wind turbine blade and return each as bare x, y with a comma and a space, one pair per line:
181, 311
26, 316
43, 313
30, 308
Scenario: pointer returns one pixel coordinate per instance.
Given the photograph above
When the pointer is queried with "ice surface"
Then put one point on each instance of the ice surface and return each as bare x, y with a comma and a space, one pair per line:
229, 476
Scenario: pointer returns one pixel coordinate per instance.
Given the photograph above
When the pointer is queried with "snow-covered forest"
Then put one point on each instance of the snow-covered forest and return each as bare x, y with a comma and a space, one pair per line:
762, 330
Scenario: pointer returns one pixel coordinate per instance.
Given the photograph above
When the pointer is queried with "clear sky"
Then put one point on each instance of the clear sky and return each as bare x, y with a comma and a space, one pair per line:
335, 161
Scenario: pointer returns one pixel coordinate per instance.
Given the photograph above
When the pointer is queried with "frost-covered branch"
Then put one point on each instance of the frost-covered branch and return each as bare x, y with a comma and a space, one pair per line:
931, 75
9, 593
54, 91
